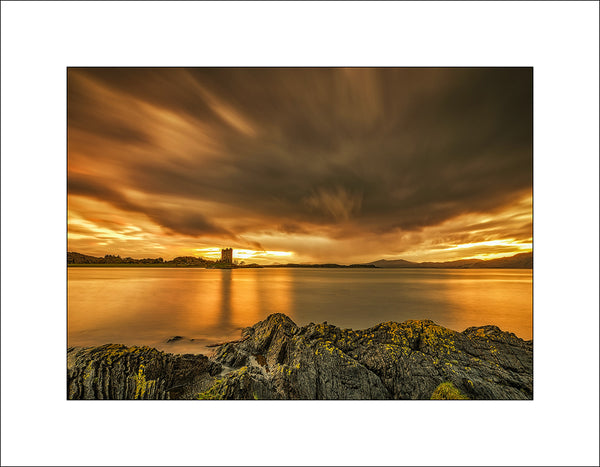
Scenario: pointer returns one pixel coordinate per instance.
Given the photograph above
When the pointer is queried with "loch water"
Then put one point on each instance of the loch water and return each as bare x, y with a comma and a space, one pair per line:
151, 306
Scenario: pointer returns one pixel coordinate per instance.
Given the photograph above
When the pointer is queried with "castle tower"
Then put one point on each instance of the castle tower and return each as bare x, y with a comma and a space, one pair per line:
227, 255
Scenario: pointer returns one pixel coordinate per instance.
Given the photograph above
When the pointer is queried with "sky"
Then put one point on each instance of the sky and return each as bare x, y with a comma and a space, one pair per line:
344, 165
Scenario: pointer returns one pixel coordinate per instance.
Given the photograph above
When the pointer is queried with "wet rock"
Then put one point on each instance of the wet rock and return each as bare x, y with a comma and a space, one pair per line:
276, 359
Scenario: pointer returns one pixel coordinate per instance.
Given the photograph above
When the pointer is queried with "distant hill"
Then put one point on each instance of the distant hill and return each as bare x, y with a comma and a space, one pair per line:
519, 261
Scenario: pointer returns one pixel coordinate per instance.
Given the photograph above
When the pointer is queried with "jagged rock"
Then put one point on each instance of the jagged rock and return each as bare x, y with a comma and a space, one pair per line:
276, 359
389, 361
119, 372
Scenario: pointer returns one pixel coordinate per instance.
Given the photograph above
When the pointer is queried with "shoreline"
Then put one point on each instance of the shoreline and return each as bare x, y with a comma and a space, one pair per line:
517, 261
168, 266
276, 359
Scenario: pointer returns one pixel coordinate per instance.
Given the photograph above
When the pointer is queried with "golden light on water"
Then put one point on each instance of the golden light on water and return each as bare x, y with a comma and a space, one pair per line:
214, 304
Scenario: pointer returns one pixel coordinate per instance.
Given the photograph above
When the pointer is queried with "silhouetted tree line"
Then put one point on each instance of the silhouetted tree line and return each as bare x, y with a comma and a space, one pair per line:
78, 258
179, 261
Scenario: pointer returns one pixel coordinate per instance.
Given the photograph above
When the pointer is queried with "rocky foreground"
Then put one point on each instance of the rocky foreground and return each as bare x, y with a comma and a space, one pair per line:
276, 359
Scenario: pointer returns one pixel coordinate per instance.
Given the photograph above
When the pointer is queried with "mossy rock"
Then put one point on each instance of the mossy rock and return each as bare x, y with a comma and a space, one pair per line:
447, 391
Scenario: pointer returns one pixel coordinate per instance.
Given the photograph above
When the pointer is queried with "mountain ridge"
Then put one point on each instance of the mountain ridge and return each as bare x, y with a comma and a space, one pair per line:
518, 261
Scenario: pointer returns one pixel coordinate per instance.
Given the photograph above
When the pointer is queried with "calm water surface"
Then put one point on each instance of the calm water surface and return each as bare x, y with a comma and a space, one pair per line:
147, 306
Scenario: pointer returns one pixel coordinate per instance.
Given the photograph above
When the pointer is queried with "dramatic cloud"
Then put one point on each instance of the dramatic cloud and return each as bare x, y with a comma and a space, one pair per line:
324, 164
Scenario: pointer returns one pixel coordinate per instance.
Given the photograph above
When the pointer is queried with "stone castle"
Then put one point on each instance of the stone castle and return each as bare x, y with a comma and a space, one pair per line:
227, 255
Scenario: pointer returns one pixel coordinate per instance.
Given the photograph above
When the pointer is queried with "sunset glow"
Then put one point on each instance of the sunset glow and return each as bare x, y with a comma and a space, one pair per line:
240, 254
300, 165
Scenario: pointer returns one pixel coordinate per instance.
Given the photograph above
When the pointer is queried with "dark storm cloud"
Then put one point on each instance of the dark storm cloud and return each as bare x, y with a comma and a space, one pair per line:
374, 150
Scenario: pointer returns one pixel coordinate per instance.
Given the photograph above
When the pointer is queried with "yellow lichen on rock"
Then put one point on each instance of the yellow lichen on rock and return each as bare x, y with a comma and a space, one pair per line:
213, 393
140, 383
447, 391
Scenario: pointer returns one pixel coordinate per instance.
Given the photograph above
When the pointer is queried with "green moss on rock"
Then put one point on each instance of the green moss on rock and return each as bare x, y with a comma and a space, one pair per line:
215, 392
447, 391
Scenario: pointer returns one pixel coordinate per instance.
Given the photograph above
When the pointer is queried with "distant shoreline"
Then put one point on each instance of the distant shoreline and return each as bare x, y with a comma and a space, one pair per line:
278, 266
255, 266
518, 261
